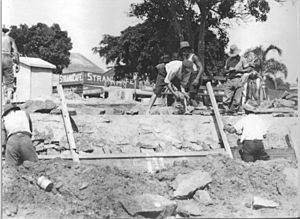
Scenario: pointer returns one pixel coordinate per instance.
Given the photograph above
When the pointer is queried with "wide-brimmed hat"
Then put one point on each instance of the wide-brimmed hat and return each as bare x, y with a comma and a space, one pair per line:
8, 107
187, 64
184, 44
4, 29
234, 50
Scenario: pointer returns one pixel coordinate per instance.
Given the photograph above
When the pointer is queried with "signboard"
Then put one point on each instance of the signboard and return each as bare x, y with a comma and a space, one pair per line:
90, 78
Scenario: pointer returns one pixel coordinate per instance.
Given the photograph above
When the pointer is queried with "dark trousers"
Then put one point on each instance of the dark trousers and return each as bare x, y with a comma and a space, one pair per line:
233, 93
7, 71
253, 150
19, 148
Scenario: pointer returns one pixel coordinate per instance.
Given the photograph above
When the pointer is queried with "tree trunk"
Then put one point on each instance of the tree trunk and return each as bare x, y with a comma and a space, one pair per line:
201, 38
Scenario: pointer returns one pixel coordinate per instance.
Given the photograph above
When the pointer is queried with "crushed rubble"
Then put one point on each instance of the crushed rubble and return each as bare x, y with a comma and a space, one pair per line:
101, 191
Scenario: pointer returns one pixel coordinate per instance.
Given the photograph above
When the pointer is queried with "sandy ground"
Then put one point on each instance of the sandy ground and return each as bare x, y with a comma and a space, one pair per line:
94, 189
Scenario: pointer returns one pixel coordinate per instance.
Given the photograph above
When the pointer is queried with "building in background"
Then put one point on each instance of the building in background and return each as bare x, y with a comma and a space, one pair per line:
82, 76
34, 80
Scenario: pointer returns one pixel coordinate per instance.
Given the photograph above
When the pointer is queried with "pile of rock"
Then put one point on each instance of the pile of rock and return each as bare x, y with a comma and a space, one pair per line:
189, 197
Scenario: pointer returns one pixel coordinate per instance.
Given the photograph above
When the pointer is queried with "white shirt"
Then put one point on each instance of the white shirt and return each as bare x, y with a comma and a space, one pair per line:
173, 69
16, 121
252, 127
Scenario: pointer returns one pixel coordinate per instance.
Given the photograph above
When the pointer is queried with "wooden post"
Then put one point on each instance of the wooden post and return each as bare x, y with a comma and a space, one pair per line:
67, 123
218, 118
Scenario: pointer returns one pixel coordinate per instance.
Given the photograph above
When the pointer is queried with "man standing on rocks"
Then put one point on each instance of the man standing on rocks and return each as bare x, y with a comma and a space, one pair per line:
172, 75
9, 50
16, 135
252, 130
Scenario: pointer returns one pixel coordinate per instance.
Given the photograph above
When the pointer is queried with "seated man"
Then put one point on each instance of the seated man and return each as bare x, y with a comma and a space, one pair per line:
170, 75
252, 130
16, 136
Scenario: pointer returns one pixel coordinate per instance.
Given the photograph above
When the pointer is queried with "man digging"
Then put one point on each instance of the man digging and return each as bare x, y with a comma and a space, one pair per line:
252, 130
172, 75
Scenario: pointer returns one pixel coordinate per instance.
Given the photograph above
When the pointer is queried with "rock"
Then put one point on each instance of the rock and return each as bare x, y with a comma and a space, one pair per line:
187, 184
203, 197
28, 164
147, 141
41, 106
102, 111
11, 210
104, 120
57, 111
291, 176
46, 135
259, 202
132, 112
283, 103
149, 206
188, 208
84, 186
266, 104
118, 112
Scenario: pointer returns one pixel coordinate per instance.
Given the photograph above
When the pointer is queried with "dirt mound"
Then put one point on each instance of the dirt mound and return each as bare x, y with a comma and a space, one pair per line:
90, 191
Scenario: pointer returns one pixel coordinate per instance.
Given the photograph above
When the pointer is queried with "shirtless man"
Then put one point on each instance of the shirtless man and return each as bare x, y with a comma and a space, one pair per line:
192, 80
9, 50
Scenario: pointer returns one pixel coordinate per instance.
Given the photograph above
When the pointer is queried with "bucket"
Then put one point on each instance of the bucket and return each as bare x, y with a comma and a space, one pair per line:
45, 183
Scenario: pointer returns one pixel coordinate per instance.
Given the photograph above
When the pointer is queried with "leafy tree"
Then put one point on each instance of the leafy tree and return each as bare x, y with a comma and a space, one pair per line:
269, 67
192, 19
139, 48
48, 43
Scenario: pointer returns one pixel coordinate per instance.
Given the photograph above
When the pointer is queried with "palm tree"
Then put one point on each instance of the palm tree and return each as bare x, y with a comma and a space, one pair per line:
268, 67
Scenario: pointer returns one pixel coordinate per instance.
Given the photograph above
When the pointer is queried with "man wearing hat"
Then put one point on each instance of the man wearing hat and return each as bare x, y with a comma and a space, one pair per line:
192, 80
171, 75
235, 67
9, 51
252, 130
17, 126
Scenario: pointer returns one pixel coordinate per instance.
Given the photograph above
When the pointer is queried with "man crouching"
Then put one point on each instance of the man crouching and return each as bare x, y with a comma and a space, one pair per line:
16, 133
173, 75
252, 130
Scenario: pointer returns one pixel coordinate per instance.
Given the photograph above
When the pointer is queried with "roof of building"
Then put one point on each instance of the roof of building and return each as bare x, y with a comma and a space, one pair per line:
80, 63
36, 62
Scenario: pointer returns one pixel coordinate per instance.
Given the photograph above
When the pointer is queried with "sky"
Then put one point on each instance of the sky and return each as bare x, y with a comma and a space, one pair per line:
88, 20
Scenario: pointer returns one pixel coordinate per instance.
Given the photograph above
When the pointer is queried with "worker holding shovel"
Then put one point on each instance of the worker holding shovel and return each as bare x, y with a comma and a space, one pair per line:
172, 75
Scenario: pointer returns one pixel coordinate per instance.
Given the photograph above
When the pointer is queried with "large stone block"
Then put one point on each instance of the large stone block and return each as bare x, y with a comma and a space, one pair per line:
149, 206
186, 184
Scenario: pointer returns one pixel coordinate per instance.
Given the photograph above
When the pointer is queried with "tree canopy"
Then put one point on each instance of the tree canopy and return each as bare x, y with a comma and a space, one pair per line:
203, 23
41, 41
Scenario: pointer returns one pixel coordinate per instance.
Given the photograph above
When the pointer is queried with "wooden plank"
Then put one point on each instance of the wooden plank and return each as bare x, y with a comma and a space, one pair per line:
67, 123
219, 120
136, 155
